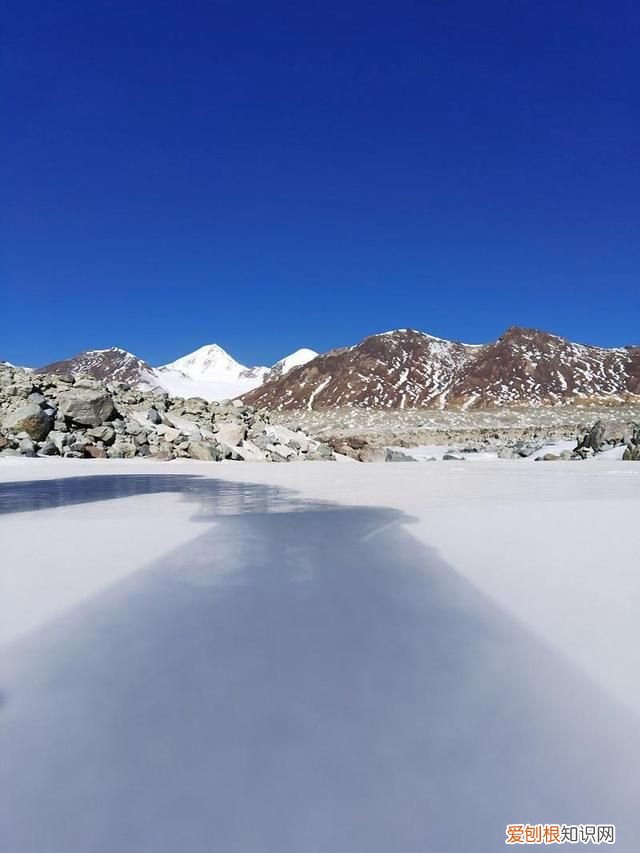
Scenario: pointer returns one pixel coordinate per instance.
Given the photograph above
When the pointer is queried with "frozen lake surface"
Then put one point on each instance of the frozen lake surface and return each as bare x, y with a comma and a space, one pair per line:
326, 658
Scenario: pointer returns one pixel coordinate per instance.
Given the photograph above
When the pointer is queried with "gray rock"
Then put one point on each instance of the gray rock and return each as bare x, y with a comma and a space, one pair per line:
153, 416
195, 406
230, 432
38, 398
29, 418
90, 406
48, 448
632, 453
323, 451
372, 453
163, 452
105, 433
205, 451
602, 435
133, 427
121, 449
507, 453
524, 450
398, 456
26, 447
250, 452
92, 451
452, 457
584, 452
59, 439
168, 433
280, 453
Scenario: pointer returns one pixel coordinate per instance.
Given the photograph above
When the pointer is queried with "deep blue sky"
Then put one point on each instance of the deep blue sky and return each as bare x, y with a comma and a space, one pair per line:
273, 175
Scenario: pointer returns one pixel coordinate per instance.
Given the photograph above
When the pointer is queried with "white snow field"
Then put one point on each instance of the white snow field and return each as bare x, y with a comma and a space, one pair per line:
316, 657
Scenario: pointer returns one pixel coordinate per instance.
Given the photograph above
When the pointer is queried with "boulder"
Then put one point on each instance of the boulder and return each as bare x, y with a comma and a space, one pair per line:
60, 439
204, 451
186, 426
631, 453
195, 406
26, 446
250, 452
526, 449
230, 432
95, 452
344, 450
29, 418
121, 449
507, 453
133, 427
48, 448
168, 433
452, 457
602, 435
397, 456
323, 451
105, 433
163, 452
280, 452
88, 406
371, 453
38, 398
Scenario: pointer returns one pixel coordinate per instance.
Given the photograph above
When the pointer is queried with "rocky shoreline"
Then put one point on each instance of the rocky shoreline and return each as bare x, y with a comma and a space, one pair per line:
85, 418
601, 437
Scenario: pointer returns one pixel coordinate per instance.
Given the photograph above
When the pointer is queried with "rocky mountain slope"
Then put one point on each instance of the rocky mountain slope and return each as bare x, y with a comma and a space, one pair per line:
113, 365
409, 369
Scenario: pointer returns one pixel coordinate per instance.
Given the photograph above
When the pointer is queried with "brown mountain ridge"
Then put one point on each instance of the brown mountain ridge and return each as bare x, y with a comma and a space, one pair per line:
410, 369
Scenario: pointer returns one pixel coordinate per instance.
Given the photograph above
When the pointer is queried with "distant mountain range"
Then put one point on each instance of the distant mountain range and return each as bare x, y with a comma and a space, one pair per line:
209, 372
399, 369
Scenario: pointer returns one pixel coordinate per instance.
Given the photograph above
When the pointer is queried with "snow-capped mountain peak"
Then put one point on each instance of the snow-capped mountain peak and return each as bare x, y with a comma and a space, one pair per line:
209, 363
294, 359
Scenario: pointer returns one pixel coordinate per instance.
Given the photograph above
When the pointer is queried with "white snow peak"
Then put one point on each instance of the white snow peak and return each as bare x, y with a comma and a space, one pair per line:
209, 363
295, 359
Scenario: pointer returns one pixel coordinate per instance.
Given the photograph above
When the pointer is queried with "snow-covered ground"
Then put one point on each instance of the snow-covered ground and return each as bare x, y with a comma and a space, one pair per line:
431, 452
315, 657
